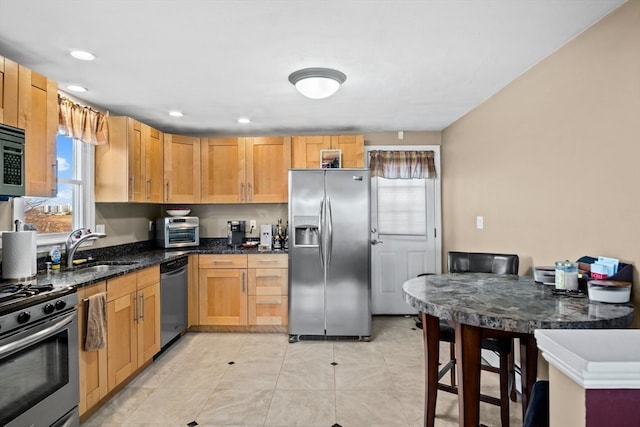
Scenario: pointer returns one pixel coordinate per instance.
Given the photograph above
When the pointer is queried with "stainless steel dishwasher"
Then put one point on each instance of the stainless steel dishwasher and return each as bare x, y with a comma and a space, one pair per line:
173, 299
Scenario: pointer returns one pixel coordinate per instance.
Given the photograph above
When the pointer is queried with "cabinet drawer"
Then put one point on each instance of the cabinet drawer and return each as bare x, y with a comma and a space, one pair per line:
87, 291
268, 310
268, 261
222, 261
268, 281
120, 286
148, 276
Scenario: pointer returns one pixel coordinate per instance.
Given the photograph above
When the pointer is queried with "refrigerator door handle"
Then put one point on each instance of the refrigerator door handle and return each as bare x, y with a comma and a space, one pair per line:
320, 234
329, 231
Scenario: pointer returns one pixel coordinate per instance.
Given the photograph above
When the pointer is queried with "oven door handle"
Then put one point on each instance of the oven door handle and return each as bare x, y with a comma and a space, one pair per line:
38, 336
182, 227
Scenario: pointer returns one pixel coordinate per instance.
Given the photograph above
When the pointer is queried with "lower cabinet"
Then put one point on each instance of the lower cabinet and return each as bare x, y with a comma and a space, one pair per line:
133, 316
240, 290
222, 286
268, 285
92, 364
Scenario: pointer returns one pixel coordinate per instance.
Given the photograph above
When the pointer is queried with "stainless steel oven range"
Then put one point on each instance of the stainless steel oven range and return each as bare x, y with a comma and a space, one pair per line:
38, 355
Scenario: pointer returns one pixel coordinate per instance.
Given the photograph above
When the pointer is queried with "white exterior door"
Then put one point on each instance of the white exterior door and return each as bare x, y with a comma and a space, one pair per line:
405, 233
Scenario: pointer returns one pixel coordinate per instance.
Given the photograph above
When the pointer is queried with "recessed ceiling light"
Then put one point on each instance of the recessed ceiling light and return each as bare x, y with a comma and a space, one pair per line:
244, 120
76, 88
83, 55
176, 113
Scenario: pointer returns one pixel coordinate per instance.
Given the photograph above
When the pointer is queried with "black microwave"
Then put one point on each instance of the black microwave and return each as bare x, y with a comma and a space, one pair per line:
11, 161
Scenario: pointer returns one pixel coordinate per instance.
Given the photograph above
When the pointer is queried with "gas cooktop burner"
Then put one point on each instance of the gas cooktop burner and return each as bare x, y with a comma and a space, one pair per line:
16, 295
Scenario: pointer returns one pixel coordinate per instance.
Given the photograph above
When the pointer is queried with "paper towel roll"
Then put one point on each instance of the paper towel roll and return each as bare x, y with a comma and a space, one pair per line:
18, 254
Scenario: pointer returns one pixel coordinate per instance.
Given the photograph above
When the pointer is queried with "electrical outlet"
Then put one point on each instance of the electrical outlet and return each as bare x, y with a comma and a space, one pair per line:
479, 222
99, 228
150, 225
252, 225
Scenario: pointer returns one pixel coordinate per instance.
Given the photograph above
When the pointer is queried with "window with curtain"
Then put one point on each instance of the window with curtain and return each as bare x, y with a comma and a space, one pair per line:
80, 129
400, 183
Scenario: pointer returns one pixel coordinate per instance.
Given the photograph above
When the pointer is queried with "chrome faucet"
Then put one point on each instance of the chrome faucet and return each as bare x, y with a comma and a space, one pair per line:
75, 238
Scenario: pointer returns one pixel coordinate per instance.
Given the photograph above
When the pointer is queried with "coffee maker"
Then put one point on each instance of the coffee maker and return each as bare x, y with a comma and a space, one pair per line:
235, 232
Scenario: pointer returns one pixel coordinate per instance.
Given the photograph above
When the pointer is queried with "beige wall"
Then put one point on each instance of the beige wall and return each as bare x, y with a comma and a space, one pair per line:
552, 161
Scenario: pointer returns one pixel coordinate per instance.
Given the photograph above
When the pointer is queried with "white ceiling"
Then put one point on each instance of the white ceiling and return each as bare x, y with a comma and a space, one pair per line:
411, 65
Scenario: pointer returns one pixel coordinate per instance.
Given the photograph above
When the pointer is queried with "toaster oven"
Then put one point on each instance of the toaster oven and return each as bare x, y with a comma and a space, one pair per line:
178, 231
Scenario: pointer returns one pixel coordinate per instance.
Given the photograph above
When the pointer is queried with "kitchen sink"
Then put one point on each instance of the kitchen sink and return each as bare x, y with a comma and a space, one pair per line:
103, 266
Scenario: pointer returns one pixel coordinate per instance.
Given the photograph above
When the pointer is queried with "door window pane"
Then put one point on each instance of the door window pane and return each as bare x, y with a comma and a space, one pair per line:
401, 206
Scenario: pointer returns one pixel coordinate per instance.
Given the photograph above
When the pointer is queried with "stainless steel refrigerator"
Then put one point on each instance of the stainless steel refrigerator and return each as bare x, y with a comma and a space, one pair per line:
329, 253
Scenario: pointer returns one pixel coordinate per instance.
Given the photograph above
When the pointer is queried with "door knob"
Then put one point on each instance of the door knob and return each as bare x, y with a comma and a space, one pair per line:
375, 242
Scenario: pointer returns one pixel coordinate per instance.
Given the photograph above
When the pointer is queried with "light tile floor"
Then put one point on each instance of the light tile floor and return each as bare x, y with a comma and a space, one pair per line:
228, 379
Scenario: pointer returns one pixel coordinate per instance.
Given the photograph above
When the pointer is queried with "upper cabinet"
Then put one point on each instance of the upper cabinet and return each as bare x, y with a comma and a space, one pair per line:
29, 101
139, 147
268, 163
306, 150
223, 170
181, 169
8, 92
245, 170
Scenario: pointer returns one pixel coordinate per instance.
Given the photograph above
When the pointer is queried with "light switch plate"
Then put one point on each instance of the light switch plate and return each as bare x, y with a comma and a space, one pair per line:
479, 222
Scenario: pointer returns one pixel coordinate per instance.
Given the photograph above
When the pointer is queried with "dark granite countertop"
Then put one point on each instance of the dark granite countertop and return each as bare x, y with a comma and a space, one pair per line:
510, 303
129, 258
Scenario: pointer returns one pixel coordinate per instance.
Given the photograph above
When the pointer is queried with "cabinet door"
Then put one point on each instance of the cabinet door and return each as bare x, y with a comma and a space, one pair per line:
112, 180
154, 165
306, 150
38, 116
8, 92
268, 163
92, 364
122, 349
137, 172
223, 296
148, 322
223, 170
181, 169
192, 291
352, 147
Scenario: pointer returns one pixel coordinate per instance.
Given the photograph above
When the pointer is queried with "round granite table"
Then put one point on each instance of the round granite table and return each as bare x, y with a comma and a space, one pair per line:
480, 305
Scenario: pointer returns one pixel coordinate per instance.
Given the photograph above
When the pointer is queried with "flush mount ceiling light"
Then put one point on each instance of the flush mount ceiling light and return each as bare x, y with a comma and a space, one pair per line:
176, 113
244, 120
76, 88
317, 83
83, 55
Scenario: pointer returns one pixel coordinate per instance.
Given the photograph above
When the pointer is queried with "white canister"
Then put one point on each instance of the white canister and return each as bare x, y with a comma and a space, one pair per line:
571, 276
560, 275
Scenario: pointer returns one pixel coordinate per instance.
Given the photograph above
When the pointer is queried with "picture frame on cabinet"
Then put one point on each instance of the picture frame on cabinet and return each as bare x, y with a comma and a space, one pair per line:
330, 159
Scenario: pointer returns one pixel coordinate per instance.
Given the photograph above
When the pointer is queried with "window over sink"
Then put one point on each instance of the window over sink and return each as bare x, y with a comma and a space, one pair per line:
74, 205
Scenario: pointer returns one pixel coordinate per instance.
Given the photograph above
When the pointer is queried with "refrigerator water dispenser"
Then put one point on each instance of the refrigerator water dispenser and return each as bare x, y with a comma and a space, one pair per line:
306, 231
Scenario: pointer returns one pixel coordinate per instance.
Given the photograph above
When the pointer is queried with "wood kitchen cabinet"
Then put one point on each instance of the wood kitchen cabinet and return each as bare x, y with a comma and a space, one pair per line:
138, 146
182, 173
8, 92
268, 289
245, 170
192, 291
38, 116
133, 329
29, 100
222, 289
306, 150
92, 364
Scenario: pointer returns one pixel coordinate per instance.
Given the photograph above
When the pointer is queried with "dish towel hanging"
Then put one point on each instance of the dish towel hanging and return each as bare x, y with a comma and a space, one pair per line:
96, 334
